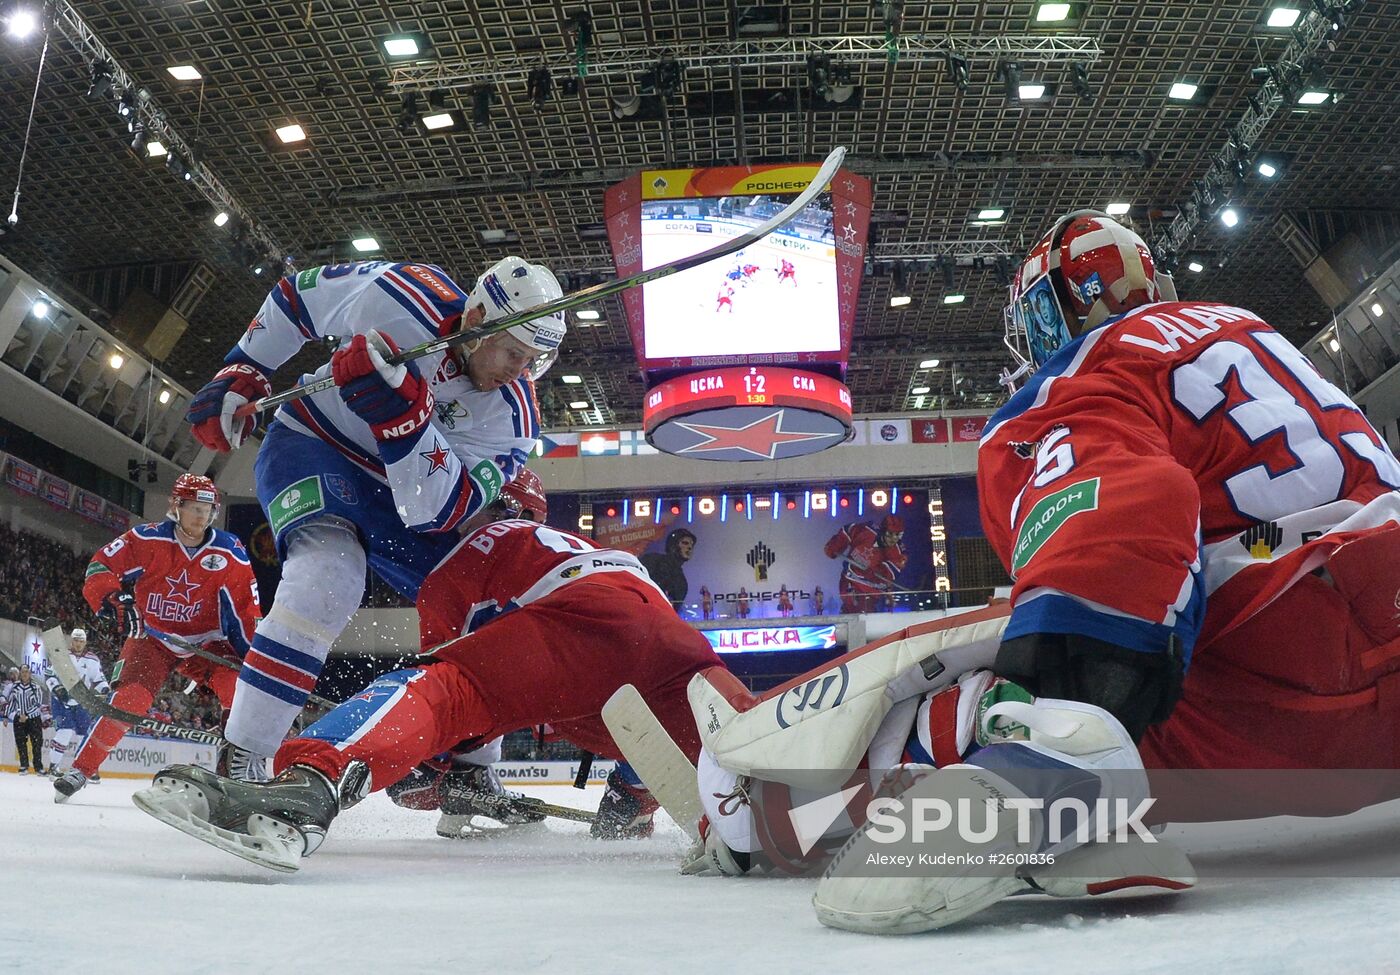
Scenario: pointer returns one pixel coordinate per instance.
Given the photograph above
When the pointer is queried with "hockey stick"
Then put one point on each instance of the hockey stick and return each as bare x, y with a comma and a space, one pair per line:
655, 757
590, 294
67, 673
198, 651
500, 807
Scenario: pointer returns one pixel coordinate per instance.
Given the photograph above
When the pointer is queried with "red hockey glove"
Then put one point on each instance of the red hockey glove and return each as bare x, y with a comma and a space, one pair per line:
211, 411
394, 400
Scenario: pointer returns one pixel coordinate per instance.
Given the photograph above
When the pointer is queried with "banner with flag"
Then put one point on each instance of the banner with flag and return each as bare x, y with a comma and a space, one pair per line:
88, 505
116, 518
930, 431
878, 432
600, 443
22, 476
634, 442
56, 491
967, 429
557, 445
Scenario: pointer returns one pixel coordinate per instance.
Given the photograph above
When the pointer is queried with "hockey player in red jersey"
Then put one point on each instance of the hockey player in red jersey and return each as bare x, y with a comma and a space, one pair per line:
177, 579
725, 298
522, 625
874, 557
1204, 536
786, 272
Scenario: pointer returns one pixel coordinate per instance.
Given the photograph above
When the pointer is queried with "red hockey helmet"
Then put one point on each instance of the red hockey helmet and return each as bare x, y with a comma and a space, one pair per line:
1087, 269
892, 523
527, 491
194, 487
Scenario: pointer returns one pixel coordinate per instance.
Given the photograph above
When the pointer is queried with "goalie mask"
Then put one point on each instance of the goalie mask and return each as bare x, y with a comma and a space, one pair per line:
513, 284
1087, 269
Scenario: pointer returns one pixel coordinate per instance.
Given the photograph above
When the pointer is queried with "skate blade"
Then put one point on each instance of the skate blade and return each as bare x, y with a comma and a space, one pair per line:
914, 919
268, 847
451, 827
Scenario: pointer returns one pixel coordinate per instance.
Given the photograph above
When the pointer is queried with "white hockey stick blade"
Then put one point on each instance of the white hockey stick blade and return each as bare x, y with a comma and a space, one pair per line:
655, 757
271, 844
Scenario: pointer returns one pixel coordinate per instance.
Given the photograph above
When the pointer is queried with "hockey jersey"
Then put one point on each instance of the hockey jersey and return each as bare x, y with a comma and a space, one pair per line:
1173, 471
477, 440
89, 668
506, 565
868, 563
199, 594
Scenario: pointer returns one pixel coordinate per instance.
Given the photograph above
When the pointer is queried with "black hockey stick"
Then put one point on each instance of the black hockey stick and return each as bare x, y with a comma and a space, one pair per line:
503, 808
198, 651
590, 294
67, 673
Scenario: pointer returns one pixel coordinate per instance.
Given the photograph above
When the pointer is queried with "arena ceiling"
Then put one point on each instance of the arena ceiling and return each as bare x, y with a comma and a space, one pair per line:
935, 153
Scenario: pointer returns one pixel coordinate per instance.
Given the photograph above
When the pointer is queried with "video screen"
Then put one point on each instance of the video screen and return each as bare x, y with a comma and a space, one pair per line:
775, 296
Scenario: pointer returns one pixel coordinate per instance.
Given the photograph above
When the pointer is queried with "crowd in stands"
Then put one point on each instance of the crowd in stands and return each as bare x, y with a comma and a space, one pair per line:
43, 578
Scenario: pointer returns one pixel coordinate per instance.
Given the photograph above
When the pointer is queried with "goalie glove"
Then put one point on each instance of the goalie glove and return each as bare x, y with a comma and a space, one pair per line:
394, 400
211, 412
120, 605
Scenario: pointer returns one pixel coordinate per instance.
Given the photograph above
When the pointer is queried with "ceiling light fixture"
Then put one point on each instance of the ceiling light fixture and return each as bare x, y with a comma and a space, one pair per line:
401, 46
442, 120
1195, 267
578, 405
900, 301
929, 364
365, 244
1267, 169
587, 315
164, 397
920, 390
185, 72
1230, 217
116, 360
1314, 96
1050, 12
571, 380
22, 23
221, 218
1377, 309
1183, 91
40, 309
1284, 16
991, 213
955, 299
1117, 209
292, 132
155, 149
1030, 91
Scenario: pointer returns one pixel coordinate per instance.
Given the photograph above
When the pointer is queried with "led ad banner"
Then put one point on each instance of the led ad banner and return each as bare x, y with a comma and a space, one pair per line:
787, 299
772, 639
770, 556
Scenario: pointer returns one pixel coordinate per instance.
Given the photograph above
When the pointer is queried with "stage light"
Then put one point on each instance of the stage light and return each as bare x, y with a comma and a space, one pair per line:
40, 309
1230, 217
1266, 169
539, 86
401, 46
908, 499
155, 149
675, 509
612, 512
221, 218
1079, 81
164, 397
1183, 91
791, 505
22, 23
117, 360
879, 498
1117, 209
1011, 78
126, 104
365, 244
845, 502
99, 79
483, 97
959, 71
292, 132
706, 506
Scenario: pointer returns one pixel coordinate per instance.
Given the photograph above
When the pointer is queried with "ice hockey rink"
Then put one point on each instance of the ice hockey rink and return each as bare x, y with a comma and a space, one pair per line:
96, 886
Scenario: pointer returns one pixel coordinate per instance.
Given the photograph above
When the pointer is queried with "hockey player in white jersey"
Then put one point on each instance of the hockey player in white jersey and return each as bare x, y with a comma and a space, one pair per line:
379, 471
70, 719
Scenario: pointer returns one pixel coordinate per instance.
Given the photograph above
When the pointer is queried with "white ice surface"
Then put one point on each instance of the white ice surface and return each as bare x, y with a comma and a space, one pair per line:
95, 886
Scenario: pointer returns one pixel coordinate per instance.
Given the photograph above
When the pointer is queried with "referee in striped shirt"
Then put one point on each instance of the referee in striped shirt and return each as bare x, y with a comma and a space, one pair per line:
25, 710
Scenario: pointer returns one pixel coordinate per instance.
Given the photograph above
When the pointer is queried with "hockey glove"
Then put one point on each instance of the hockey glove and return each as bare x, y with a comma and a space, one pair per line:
61, 695
211, 411
120, 605
394, 400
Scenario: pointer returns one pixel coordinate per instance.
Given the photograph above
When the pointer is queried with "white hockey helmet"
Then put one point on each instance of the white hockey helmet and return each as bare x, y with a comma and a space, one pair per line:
513, 284
78, 633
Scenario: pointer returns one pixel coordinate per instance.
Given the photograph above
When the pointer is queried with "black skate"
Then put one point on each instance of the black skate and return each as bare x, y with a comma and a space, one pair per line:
473, 793
67, 784
273, 824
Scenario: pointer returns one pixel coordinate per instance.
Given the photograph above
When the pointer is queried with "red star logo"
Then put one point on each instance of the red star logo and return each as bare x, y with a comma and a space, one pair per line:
762, 437
255, 325
436, 458
180, 586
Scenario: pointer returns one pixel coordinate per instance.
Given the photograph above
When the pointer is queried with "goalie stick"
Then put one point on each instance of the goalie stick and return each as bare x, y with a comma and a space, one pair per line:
586, 296
67, 673
501, 807
655, 757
